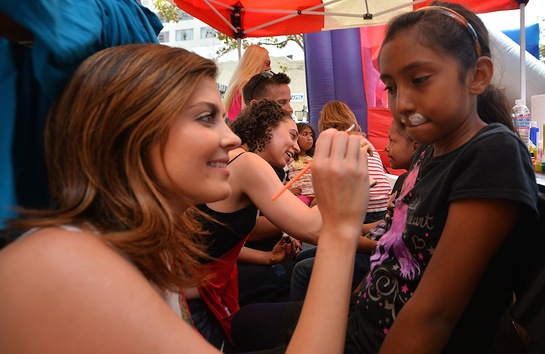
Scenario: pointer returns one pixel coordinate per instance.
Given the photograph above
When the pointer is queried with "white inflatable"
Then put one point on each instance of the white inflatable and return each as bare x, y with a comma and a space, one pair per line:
506, 54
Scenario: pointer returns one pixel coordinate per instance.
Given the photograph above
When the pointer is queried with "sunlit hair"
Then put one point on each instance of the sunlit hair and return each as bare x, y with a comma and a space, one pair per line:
437, 31
256, 122
337, 115
300, 127
250, 64
120, 103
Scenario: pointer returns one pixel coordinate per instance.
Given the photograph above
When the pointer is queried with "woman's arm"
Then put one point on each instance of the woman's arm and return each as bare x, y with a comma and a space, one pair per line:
339, 173
366, 245
255, 178
474, 231
263, 229
278, 254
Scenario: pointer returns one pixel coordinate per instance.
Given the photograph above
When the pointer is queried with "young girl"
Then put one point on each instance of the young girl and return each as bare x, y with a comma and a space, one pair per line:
400, 149
448, 257
444, 274
101, 272
302, 188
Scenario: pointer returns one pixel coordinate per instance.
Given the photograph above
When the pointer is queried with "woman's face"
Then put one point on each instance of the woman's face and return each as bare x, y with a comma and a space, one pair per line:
305, 139
283, 145
266, 64
196, 151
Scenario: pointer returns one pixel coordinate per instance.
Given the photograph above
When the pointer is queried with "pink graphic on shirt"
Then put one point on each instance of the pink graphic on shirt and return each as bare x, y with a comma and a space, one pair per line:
392, 239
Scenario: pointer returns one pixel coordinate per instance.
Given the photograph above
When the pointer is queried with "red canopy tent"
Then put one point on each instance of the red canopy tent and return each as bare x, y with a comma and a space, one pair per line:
261, 18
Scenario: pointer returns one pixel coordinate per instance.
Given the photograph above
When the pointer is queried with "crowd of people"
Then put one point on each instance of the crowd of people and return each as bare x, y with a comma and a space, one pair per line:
172, 229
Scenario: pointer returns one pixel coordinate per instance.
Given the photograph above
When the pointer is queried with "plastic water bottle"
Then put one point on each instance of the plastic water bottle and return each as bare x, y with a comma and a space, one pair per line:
522, 120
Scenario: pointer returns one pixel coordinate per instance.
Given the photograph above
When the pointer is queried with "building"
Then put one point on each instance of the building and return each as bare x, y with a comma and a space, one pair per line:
195, 35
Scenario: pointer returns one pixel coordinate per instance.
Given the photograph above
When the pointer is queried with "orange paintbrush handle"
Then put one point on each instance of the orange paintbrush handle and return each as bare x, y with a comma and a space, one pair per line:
305, 169
292, 181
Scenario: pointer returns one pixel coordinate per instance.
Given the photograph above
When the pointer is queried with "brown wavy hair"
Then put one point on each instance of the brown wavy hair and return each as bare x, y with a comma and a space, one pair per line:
337, 115
119, 104
255, 123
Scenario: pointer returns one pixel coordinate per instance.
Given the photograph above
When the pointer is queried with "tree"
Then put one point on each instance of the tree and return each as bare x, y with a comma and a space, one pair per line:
168, 12
279, 41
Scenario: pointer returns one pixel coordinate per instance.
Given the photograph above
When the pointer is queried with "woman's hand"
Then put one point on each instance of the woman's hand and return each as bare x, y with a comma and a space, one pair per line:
281, 251
296, 190
341, 181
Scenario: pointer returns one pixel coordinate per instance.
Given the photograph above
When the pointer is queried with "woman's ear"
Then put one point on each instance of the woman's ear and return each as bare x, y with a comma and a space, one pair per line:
480, 76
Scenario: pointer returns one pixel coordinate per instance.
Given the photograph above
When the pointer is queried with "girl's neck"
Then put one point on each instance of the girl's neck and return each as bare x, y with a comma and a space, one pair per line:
464, 134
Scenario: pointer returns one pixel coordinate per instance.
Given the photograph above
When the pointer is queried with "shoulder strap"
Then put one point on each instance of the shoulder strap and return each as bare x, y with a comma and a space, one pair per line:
234, 158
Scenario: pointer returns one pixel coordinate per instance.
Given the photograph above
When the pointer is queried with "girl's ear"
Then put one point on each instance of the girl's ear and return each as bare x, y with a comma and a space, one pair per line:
415, 146
481, 75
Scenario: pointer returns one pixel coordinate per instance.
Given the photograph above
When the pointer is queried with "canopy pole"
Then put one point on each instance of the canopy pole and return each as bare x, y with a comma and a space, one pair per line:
239, 47
522, 51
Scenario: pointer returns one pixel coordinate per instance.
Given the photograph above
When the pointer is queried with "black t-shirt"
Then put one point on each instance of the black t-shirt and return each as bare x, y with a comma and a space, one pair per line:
494, 164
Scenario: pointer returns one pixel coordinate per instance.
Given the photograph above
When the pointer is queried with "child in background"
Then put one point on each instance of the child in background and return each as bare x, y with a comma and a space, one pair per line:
337, 115
302, 188
400, 149
444, 274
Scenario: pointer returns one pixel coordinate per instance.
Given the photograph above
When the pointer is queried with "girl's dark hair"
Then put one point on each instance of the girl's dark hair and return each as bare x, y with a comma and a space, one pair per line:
300, 127
434, 29
255, 123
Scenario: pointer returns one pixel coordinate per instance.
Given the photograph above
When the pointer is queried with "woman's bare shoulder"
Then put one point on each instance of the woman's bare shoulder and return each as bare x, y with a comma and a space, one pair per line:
53, 243
74, 293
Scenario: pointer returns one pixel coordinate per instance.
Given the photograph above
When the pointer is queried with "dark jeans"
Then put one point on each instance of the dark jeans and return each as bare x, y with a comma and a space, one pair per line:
265, 328
300, 277
264, 283
302, 271
208, 325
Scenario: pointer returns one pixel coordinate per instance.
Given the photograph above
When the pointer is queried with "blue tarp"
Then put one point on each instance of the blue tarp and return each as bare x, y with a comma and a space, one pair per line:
532, 38
65, 33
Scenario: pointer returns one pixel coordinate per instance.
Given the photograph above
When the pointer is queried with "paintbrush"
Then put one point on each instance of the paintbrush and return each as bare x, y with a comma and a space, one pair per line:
302, 172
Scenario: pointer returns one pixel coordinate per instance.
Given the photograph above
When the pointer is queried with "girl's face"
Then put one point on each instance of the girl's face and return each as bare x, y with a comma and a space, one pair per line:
400, 148
195, 156
425, 92
305, 139
283, 145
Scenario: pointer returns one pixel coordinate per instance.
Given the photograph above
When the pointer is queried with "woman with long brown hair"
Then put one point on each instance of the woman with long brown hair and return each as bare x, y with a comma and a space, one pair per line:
135, 141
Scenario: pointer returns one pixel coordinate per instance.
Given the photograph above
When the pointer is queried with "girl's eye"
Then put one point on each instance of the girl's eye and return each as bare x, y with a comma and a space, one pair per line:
390, 89
420, 80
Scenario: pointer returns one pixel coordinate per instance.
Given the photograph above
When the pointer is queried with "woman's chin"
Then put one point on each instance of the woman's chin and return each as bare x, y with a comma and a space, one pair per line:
214, 196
